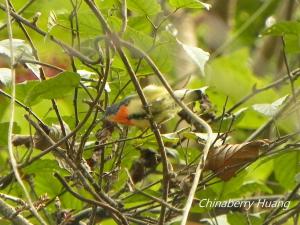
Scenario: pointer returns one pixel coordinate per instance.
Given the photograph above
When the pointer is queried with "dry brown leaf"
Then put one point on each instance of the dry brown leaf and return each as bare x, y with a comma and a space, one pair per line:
227, 159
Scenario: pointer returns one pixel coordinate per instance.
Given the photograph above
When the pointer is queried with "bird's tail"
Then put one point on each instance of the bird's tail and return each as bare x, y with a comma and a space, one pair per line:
189, 96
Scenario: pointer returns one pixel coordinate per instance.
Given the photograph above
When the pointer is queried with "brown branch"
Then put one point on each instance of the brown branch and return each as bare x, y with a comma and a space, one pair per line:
10, 213
144, 101
91, 201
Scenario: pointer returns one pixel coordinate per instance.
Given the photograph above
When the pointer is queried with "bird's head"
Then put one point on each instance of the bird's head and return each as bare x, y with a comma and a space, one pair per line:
118, 113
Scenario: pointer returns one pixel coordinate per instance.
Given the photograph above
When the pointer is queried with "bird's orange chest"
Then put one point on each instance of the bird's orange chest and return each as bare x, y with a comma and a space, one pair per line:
122, 116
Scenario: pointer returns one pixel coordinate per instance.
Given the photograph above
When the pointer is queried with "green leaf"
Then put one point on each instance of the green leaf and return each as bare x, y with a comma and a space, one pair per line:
290, 31
43, 166
170, 137
194, 4
269, 109
243, 219
144, 7
137, 37
45, 182
287, 166
4, 132
56, 87
23, 89
254, 186
292, 43
283, 28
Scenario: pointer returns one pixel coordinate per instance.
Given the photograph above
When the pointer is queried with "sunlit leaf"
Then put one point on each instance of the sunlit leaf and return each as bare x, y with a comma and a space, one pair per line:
52, 20
85, 73
269, 109
199, 56
21, 51
5, 76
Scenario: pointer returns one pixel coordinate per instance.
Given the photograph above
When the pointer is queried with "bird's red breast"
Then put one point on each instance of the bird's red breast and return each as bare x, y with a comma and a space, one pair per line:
122, 116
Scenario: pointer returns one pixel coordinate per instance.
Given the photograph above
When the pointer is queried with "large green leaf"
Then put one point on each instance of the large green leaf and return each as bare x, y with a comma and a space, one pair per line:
287, 166
56, 87
144, 7
45, 182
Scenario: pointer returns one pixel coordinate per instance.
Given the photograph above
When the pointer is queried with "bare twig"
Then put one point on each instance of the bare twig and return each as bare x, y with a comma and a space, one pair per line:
12, 117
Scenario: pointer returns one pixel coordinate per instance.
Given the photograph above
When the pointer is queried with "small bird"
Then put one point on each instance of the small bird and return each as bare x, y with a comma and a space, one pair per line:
130, 111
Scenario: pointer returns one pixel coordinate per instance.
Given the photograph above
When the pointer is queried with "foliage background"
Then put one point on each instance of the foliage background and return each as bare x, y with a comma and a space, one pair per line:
248, 42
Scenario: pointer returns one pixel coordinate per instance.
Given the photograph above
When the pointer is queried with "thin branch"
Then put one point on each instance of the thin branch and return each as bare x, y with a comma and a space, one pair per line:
195, 118
26, 5
90, 201
273, 213
42, 75
144, 101
154, 128
10, 213
12, 117
290, 78
64, 46
26, 108
294, 76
